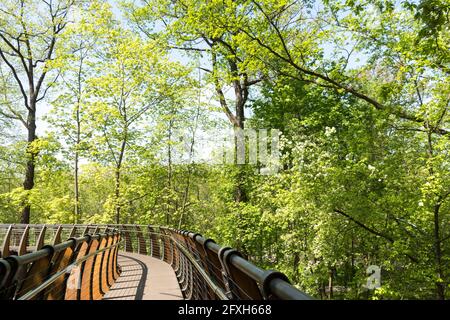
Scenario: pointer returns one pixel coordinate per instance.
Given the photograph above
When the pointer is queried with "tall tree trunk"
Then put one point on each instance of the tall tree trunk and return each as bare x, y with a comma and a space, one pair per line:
21, 48
78, 140
191, 155
28, 183
295, 264
440, 286
239, 193
241, 99
330, 283
117, 194
169, 170
77, 216
237, 119
76, 182
118, 207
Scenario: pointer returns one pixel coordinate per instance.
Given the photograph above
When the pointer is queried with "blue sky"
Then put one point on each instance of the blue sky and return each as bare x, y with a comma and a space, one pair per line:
179, 56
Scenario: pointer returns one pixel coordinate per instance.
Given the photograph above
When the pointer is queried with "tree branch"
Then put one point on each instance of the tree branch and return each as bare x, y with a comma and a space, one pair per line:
372, 231
221, 95
289, 60
19, 82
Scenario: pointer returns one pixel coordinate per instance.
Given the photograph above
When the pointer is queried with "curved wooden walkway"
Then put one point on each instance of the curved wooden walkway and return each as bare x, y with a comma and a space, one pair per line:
144, 278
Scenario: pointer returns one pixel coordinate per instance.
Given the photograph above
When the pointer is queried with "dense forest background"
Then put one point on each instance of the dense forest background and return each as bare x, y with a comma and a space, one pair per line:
94, 95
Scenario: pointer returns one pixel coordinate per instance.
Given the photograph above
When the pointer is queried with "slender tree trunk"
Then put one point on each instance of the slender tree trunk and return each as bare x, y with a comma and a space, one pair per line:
185, 196
240, 194
237, 119
322, 290
169, 170
78, 141
76, 182
117, 194
28, 183
191, 155
352, 261
330, 283
118, 175
295, 264
76, 189
440, 286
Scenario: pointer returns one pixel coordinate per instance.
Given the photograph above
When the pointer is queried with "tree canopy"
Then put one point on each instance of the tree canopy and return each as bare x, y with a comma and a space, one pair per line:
104, 106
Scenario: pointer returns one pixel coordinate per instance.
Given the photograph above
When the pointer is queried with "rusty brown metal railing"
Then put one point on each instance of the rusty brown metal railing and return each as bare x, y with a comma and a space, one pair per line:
82, 268
30, 269
206, 270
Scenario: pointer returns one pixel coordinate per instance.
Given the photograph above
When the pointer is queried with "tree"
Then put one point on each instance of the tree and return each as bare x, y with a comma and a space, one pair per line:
316, 45
197, 27
359, 90
29, 32
134, 79
75, 61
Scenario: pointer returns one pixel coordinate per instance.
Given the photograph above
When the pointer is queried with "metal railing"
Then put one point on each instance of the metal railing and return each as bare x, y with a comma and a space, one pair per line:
81, 268
204, 269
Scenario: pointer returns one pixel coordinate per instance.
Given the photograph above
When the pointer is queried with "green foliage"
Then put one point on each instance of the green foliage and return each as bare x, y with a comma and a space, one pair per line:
359, 90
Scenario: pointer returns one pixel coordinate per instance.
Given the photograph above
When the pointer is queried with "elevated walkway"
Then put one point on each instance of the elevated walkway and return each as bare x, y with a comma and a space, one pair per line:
129, 262
144, 278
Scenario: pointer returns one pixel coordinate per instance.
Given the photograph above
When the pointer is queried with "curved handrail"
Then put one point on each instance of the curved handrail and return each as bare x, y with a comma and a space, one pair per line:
34, 292
48, 271
204, 269
232, 275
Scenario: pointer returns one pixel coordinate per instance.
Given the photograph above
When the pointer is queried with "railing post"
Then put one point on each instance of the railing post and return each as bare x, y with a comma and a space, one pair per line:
6, 242
73, 231
41, 238
23, 242
128, 242
162, 244
155, 242
57, 236
167, 253
142, 245
269, 276
247, 288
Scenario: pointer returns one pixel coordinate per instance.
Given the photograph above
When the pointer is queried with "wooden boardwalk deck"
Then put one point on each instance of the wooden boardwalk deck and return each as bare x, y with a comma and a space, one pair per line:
144, 278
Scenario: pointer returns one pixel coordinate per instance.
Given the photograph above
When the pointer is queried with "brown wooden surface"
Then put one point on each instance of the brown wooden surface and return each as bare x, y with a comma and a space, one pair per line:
96, 281
85, 290
72, 291
144, 278
104, 268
